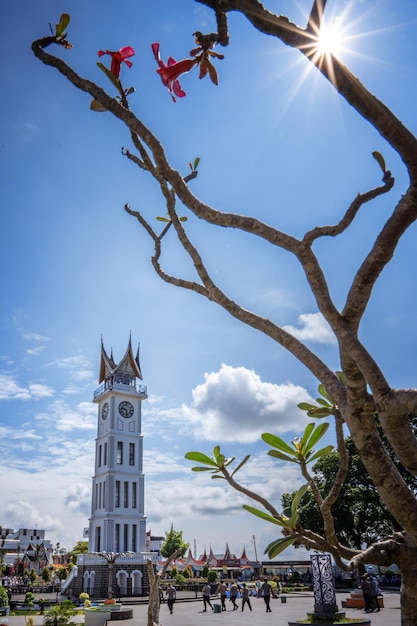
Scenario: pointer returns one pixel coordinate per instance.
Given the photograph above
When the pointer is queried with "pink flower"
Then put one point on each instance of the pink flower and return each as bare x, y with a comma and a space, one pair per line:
119, 57
171, 71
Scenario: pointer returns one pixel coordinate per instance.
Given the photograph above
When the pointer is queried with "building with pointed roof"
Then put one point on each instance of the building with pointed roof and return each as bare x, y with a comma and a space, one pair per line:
117, 526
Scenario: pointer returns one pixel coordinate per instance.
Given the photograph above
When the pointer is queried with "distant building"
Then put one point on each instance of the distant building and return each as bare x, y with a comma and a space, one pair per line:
25, 549
231, 567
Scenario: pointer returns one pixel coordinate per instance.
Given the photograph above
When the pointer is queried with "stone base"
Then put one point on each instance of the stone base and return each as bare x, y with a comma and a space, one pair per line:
359, 622
328, 618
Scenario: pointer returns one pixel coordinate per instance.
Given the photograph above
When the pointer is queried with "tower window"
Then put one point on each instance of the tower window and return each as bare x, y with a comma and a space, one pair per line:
131, 453
117, 537
125, 494
134, 535
117, 494
98, 539
99, 456
105, 454
119, 457
134, 496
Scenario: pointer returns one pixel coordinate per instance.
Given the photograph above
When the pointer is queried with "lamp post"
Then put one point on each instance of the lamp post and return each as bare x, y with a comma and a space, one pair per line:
258, 564
111, 558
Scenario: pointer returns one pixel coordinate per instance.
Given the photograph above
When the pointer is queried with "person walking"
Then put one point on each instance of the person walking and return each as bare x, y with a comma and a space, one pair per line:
206, 597
233, 594
245, 597
222, 589
373, 592
366, 593
171, 595
266, 591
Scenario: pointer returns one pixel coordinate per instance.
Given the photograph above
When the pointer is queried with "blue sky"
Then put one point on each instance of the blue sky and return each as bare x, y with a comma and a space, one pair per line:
275, 141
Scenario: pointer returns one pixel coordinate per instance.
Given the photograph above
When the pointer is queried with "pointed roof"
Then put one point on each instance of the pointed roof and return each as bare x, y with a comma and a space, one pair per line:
244, 558
129, 365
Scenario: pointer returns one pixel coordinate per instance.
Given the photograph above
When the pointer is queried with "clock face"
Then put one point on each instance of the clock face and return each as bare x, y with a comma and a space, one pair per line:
126, 409
105, 410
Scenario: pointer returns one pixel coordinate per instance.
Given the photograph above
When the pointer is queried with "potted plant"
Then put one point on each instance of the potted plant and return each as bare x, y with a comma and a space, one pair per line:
85, 599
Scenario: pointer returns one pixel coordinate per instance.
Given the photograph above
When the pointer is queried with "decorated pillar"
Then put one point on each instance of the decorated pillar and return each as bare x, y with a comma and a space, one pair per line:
323, 585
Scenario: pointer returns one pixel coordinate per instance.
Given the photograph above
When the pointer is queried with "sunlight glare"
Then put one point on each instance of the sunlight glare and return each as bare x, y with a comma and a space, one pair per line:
328, 41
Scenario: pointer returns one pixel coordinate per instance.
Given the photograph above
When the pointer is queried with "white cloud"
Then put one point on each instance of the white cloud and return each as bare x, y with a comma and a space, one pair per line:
234, 404
35, 351
65, 418
35, 337
10, 390
312, 327
40, 391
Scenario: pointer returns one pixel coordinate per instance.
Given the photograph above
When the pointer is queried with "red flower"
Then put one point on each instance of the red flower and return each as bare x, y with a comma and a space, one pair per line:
119, 57
171, 71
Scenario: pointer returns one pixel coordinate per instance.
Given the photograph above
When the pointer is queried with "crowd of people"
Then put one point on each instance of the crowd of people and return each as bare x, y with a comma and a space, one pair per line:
233, 591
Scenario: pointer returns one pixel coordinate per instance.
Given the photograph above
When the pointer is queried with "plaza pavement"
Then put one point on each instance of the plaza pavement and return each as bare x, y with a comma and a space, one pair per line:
190, 613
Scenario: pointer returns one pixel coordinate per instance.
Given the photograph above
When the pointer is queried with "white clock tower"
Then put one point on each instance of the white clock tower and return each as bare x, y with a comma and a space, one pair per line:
117, 522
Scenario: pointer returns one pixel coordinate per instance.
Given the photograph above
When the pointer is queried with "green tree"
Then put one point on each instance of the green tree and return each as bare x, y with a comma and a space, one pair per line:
365, 391
62, 573
81, 547
46, 575
173, 542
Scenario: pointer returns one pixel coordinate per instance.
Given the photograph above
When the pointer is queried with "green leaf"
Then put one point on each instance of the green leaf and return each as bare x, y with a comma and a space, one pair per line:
317, 434
297, 497
323, 392
277, 442
324, 403
304, 447
321, 452
96, 106
162, 219
306, 406
283, 457
61, 27
196, 162
183, 218
112, 78
341, 377
200, 457
265, 516
278, 546
318, 412
241, 464
380, 160
198, 468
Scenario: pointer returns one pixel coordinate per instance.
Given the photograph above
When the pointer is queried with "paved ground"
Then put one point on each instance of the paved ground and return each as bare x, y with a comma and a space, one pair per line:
296, 607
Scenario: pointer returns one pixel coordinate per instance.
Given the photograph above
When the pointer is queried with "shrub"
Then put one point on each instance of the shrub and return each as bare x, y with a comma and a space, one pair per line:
180, 579
29, 598
211, 576
4, 598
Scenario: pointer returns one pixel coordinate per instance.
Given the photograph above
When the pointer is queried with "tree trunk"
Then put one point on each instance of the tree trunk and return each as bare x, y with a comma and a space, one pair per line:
153, 606
408, 568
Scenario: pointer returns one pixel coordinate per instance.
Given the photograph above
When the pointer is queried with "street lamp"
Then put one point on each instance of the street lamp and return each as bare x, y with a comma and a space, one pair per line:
111, 558
258, 564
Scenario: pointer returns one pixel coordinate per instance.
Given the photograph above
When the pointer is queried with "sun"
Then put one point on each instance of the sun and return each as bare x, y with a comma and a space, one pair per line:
328, 40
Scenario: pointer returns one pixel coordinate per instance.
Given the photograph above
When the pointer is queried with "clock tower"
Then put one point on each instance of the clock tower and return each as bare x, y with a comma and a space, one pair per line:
118, 522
